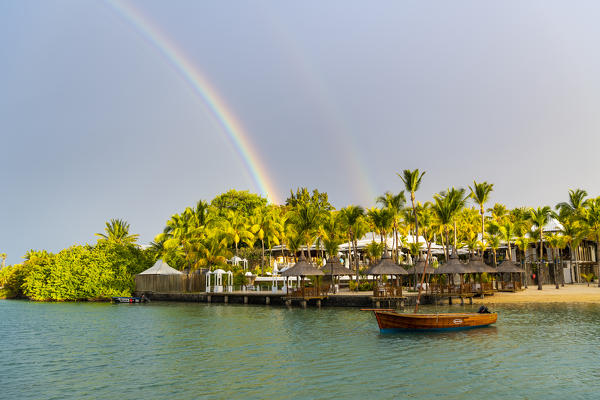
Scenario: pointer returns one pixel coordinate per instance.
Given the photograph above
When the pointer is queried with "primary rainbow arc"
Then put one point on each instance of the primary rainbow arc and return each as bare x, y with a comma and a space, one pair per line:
205, 91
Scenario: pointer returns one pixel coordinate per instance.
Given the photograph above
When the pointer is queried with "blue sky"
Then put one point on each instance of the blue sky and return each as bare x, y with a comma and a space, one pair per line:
96, 124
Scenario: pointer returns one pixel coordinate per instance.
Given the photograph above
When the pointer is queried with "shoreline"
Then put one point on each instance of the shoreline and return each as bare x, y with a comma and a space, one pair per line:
570, 293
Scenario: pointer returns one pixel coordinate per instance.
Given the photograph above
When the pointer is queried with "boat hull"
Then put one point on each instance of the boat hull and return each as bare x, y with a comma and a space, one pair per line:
390, 321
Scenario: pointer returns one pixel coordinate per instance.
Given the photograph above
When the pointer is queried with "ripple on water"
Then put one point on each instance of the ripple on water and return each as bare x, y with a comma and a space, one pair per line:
190, 351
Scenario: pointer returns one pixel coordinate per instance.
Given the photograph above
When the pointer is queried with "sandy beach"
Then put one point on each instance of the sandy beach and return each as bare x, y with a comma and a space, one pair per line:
577, 293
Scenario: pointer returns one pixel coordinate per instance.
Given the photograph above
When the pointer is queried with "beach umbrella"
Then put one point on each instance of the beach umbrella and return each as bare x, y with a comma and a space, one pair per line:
334, 267
385, 266
453, 266
302, 268
509, 267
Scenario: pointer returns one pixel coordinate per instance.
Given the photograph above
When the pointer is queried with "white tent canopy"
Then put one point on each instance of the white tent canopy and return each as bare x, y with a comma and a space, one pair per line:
161, 268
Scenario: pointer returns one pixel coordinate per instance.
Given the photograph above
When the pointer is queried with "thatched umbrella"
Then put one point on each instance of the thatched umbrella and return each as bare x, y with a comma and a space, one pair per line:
419, 268
508, 267
333, 267
301, 269
452, 267
385, 266
477, 266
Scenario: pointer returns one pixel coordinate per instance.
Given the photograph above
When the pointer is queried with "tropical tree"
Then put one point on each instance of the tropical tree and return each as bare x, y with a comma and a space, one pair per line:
3, 256
352, 218
556, 243
395, 203
117, 231
412, 182
383, 222
306, 219
237, 227
574, 234
575, 205
499, 212
540, 217
523, 243
480, 193
214, 250
507, 232
447, 205
264, 225
591, 222
493, 239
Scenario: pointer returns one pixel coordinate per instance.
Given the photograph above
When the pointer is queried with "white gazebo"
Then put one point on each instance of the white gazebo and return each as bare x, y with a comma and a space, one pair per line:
214, 281
235, 260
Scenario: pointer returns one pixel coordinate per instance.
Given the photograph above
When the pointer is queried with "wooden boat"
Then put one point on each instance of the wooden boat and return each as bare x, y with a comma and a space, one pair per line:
391, 321
117, 300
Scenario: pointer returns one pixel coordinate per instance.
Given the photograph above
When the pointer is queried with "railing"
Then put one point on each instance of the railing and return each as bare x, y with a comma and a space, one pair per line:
387, 291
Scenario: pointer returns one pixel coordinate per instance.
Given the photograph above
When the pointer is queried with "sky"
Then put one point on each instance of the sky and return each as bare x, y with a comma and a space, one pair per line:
137, 109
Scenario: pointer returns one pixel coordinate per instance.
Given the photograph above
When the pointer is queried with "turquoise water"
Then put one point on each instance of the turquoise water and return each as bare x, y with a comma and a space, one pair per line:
191, 351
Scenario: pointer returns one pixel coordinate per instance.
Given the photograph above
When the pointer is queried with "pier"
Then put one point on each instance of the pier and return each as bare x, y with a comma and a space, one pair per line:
268, 298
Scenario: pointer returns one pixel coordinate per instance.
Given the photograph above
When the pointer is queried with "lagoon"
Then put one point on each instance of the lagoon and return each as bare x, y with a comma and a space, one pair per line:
196, 350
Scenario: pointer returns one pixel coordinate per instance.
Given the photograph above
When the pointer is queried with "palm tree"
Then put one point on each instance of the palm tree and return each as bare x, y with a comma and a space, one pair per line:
395, 203
446, 206
574, 234
508, 232
352, 218
522, 243
117, 231
556, 242
540, 217
264, 225
306, 219
493, 239
575, 204
237, 227
214, 250
591, 221
480, 193
499, 212
383, 221
412, 182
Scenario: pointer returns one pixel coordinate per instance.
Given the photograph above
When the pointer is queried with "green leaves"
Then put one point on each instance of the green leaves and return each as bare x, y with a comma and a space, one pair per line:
84, 272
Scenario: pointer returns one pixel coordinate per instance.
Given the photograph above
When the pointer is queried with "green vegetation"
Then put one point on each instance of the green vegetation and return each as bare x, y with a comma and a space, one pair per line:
240, 223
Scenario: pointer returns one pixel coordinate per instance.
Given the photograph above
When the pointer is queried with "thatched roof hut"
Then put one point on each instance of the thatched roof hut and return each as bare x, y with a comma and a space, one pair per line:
302, 268
334, 267
453, 266
509, 267
385, 266
476, 265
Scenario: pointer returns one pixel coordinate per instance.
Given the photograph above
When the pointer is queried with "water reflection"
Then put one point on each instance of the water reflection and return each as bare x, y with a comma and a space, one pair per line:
189, 351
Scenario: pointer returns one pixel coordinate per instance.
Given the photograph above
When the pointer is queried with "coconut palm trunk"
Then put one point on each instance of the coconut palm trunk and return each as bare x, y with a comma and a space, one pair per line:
541, 263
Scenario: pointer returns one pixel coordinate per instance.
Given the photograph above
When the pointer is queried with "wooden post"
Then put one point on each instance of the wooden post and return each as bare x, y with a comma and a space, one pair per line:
303, 302
267, 300
245, 299
226, 299
377, 304
450, 300
319, 303
208, 299
470, 300
462, 301
288, 303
